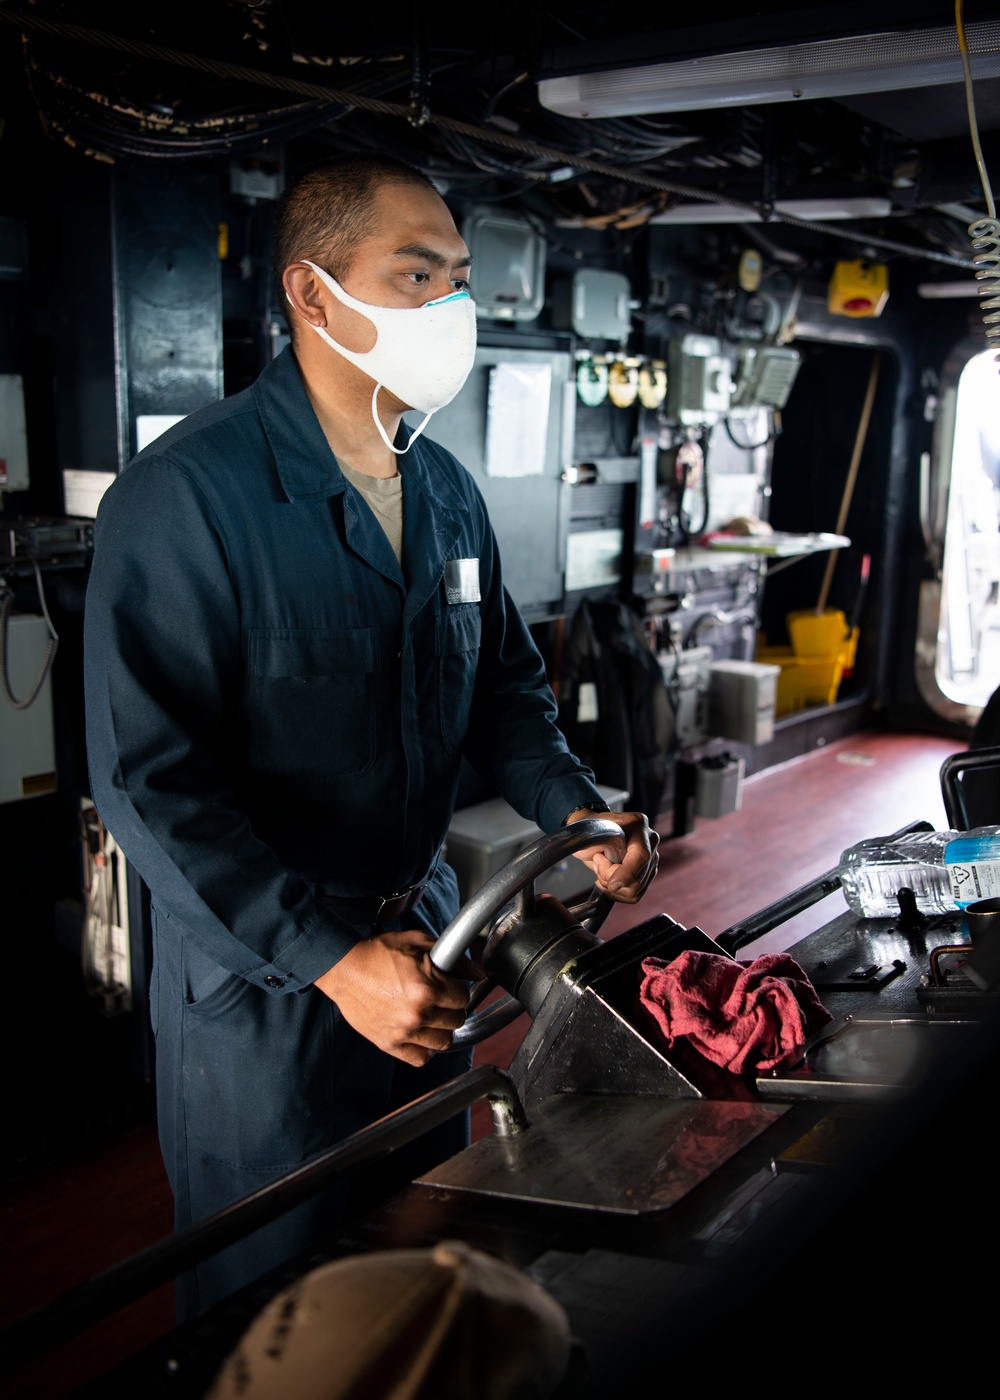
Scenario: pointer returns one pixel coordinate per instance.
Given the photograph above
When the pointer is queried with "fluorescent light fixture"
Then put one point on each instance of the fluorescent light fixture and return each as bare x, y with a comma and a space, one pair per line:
821, 209
962, 212
822, 68
940, 291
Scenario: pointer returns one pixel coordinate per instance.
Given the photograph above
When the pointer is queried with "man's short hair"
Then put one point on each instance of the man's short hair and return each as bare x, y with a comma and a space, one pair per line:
328, 210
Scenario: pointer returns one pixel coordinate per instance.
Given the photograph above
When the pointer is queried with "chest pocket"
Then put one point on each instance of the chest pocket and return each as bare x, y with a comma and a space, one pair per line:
314, 699
459, 631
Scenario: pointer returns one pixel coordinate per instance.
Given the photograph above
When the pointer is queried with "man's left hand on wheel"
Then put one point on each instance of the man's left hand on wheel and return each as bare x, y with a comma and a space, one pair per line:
388, 989
622, 869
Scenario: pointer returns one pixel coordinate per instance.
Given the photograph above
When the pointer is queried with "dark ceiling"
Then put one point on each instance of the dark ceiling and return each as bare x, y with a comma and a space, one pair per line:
135, 93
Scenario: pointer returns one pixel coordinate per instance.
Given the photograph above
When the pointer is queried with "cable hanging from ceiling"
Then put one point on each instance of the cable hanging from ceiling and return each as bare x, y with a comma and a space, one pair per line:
489, 134
123, 127
984, 233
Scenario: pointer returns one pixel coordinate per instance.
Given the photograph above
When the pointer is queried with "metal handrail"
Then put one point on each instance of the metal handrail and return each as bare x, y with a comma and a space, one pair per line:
39, 1331
952, 793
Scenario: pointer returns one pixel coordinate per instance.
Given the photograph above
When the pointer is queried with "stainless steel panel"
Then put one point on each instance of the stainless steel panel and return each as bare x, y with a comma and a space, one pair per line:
627, 1154
866, 1056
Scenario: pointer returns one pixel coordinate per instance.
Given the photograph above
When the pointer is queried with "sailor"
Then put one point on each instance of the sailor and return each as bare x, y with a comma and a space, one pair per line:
296, 629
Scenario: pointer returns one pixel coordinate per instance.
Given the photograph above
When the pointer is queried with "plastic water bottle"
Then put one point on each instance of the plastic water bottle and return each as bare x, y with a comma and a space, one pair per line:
946, 870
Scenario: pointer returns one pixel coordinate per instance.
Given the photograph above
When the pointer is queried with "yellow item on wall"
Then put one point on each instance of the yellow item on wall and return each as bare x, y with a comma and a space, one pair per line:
652, 383
623, 382
750, 270
858, 288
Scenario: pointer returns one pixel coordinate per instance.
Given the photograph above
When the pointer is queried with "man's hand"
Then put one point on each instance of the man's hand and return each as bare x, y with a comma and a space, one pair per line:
622, 869
388, 989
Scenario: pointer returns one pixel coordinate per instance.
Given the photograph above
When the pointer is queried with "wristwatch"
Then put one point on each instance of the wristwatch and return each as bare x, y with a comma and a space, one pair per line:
587, 807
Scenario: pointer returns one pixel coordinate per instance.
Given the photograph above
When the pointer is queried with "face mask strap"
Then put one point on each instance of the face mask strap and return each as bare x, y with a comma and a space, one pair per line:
399, 451
345, 299
326, 336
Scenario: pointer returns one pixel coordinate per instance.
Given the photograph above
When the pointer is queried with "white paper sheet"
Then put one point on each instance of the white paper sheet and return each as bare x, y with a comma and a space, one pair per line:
517, 419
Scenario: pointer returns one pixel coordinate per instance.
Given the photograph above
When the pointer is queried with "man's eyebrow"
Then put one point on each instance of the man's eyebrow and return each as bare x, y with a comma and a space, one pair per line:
431, 255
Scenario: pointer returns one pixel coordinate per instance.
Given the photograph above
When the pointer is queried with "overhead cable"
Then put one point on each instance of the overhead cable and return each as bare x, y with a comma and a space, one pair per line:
488, 134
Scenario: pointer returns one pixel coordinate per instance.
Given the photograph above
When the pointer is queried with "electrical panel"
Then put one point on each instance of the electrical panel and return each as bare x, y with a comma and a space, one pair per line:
687, 676
27, 737
593, 558
764, 376
525, 498
595, 304
699, 380
13, 435
256, 177
508, 258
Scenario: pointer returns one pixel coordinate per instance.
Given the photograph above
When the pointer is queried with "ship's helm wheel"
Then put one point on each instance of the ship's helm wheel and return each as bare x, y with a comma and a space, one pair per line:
523, 930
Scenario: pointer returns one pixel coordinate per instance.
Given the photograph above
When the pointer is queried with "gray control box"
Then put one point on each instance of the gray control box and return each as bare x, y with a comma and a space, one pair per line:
509, 258
765, 375
698, 384
595, 304
742, 700
483, 838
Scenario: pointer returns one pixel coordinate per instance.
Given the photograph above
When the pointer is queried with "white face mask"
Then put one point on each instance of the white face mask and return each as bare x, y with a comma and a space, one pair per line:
422, 354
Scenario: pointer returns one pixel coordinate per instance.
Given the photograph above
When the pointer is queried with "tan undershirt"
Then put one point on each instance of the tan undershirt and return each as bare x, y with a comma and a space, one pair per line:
385, 496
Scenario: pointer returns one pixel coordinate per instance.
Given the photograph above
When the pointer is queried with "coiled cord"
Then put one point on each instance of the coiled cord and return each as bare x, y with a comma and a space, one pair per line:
985, 235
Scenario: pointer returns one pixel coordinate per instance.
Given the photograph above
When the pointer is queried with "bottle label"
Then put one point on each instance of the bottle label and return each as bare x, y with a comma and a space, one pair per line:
973, 865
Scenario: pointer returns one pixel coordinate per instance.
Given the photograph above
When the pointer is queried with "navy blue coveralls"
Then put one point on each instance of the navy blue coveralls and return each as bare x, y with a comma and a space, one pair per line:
272, 710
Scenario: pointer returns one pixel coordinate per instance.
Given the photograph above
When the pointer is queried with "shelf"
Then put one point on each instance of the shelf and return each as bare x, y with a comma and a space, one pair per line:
780, 544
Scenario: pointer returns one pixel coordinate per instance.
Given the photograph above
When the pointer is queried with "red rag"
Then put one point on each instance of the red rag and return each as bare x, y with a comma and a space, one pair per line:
741, 1016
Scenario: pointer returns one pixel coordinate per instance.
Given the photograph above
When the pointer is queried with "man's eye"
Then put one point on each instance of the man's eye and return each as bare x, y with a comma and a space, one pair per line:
461, 284
419, 277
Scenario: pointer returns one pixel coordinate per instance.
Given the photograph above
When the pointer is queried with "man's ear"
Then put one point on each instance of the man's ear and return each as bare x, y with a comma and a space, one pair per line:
314, 302
305, 292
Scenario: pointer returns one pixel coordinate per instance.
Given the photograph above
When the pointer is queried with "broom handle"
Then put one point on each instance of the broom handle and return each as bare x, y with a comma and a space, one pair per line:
852, 476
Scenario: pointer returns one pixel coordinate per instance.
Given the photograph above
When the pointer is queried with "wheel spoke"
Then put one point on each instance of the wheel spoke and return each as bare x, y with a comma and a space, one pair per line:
524, 904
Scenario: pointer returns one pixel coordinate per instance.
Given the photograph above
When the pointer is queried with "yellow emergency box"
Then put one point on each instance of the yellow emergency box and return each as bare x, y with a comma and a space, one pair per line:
858, 288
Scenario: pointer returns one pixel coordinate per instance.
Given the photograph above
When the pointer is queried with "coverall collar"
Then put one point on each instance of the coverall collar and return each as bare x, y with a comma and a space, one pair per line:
307, 468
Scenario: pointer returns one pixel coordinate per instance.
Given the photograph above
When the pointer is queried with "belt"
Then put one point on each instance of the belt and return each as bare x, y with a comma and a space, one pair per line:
373, 909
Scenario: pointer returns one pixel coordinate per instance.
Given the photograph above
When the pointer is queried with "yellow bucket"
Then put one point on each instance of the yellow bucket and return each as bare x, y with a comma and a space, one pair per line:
823, 648
823, 634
